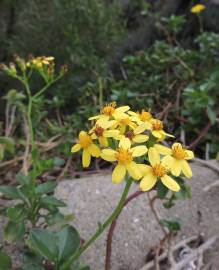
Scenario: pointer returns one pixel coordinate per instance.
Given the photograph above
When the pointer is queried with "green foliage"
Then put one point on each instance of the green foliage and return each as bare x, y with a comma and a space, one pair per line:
168, 73
5, 261
171, 225
55, 246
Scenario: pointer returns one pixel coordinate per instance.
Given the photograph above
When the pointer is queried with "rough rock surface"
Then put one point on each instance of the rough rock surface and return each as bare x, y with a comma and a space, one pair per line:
93, 199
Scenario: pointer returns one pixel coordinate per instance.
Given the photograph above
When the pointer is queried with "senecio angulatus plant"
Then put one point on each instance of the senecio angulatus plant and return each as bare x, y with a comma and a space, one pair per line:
133, 141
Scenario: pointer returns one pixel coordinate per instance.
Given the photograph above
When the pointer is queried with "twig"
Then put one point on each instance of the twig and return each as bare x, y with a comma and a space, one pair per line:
170, 256
154, 211
64, 169
210, 186
163, 256
195, 253
165, 110
111, 231
27, 147
207, 164
200, 136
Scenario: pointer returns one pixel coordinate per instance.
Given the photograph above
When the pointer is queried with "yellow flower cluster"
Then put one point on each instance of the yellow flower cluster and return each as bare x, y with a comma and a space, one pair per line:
41, 61
132, 140
197, 8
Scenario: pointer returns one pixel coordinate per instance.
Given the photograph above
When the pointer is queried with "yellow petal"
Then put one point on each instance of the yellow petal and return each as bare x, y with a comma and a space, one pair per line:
178, 145
109, 152
94, 150
170, 183
120, 115
107, 124
138, 151
76, 148
122, 109
103, 141
86, 157
168, 161
148, 182
140, 129
118, 174
133, 113
190, 154
157, 134
107, 158
94, 117
82, 133
144, 169
133, 170
153, 156
140, 138
125, 143
176, 167
168, 134
163, 150
186, 169
111, 133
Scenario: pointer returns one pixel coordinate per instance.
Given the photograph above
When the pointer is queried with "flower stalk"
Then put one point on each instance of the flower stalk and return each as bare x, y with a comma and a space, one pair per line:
101, 228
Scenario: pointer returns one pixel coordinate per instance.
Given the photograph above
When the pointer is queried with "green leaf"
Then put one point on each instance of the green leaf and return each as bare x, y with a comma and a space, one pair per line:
161, 190
10, 192
23, 179
8, 143
17, 213
5, 261
46, 187
51, 201
68, 242
212, 115
184, 193
57, 161
44, 242
32, 261
172, 225
14, 231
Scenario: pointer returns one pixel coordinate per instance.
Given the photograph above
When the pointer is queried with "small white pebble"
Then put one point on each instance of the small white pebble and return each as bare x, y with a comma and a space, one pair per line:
136, 220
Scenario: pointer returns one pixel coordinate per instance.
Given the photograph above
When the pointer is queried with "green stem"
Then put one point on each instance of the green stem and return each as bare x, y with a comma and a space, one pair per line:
101, 228
40, 92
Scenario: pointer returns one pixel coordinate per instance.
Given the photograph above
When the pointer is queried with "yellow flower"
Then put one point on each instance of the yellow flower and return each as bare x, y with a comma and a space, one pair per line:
124, 156
110, 111
40, 61
177, 160
144, 117
101, 133
122, 123
157, 170
157, 129
197, 8
135, 135
89, 148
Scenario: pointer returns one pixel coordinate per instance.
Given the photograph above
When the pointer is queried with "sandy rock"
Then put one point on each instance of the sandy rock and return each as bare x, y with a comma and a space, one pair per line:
93, 199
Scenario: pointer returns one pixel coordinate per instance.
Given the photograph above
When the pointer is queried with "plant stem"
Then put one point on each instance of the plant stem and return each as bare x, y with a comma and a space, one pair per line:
40, 92
101, 228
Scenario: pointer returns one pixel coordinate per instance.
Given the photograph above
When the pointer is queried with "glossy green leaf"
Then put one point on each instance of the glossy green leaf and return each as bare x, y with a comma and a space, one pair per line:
51, 201
46, 187
23, 179
68, 241
17, 213
172, 225
44, 242
10, 192
14, 231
